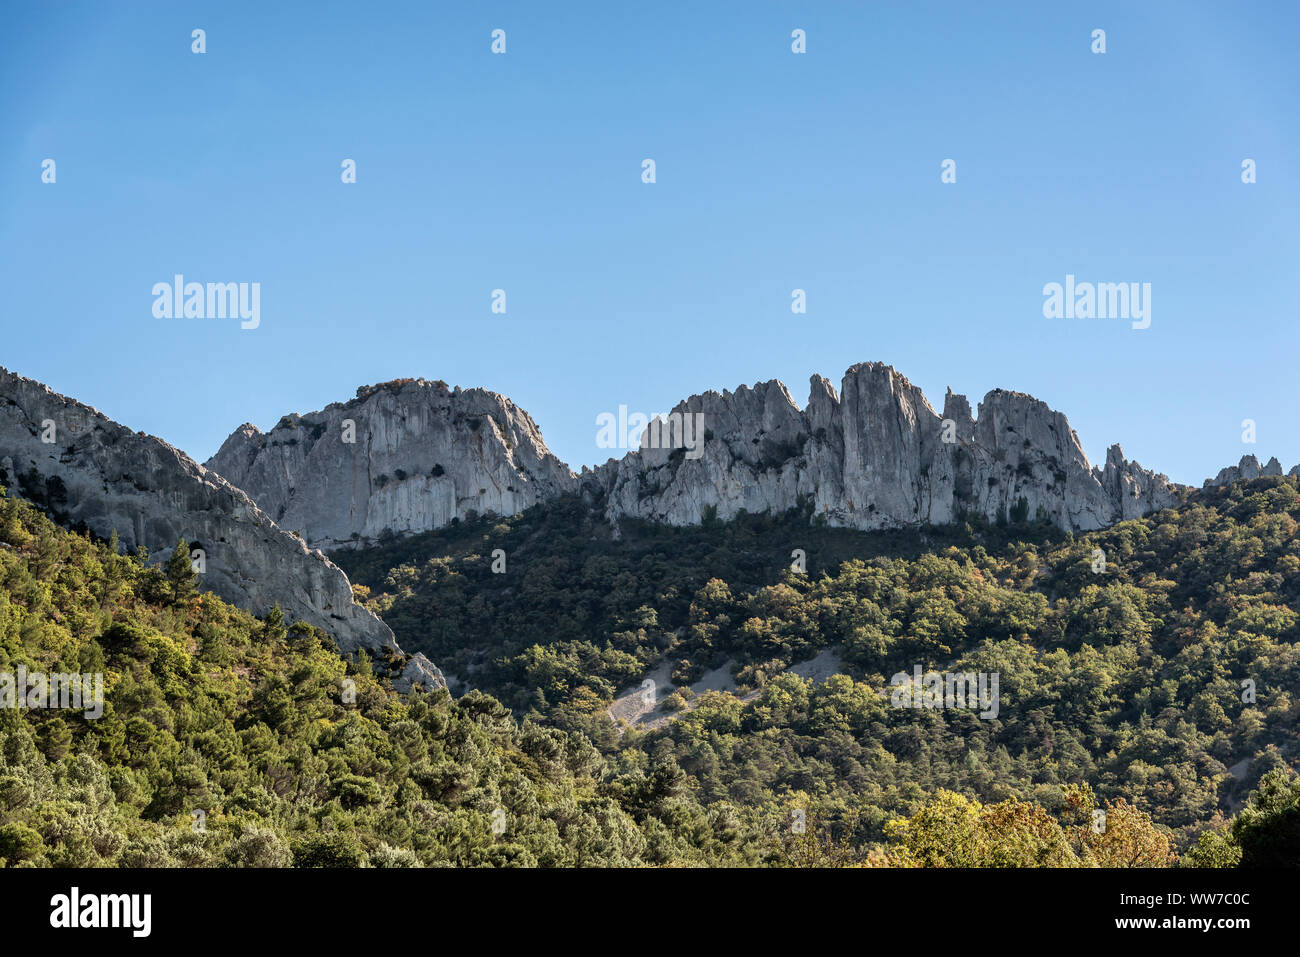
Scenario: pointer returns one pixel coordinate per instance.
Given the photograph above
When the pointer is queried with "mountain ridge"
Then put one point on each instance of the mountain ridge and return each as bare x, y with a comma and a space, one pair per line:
874, 454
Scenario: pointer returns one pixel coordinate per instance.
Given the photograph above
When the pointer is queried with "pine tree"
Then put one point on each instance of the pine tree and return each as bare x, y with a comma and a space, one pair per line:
273, 626
179, 571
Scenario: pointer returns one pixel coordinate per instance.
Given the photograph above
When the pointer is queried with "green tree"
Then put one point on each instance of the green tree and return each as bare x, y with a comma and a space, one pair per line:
179, 572
1268, 827
19, 843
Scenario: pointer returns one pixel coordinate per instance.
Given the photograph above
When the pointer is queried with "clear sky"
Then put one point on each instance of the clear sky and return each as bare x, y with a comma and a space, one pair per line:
775, 171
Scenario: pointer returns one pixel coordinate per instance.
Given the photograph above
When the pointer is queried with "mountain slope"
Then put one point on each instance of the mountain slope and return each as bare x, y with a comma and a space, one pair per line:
228, 741
1148, 660
96, 474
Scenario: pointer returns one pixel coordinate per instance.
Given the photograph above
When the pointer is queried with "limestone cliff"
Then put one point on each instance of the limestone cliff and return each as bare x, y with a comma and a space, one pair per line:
877, 456
874, 455
404, 456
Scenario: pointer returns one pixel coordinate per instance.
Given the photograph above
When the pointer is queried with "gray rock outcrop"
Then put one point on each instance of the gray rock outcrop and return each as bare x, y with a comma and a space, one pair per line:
1248, 468
402, 457
97, 474
420, 671
878, 456
873, 455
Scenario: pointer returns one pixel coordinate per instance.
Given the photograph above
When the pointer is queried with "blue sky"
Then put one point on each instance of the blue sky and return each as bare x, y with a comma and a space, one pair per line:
775, 171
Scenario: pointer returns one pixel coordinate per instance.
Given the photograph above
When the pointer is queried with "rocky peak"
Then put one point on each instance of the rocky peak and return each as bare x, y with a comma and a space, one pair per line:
1248, 468
957, 410
822, 402
401, 457
877, 455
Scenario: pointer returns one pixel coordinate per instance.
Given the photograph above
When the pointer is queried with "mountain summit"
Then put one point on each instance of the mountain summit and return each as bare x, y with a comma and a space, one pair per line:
403, 456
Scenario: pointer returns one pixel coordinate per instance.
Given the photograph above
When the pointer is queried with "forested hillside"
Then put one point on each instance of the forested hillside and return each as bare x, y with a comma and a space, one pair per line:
1155, 662
291, 754
227, 740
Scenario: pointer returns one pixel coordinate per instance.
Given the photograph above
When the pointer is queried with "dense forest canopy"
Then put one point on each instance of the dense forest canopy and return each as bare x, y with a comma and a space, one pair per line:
231, 740
1155, 661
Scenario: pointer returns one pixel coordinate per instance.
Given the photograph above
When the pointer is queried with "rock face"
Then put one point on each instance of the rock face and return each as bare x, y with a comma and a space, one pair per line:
402, 457
96, 474
420, 671
878, 456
